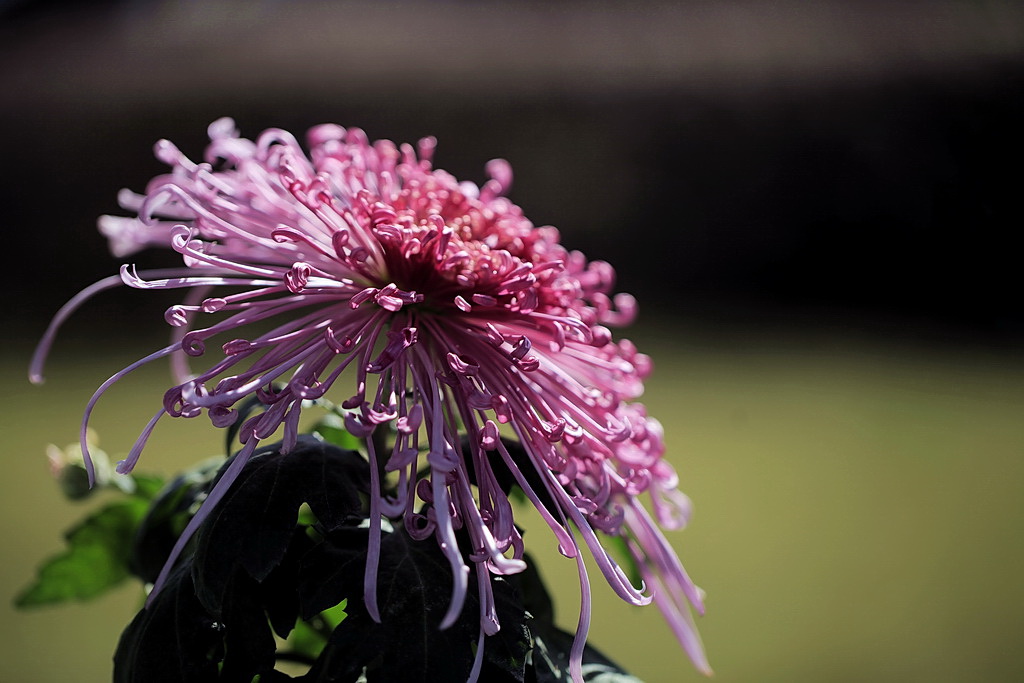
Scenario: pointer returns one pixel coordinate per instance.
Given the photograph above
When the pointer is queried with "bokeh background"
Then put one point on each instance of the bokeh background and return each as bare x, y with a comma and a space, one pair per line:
815, 204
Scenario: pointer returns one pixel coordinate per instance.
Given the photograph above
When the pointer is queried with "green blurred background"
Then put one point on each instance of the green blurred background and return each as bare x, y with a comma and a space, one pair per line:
811, 202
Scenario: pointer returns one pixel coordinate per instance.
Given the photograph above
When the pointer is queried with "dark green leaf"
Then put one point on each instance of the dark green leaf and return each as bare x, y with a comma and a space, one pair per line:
74, 482
349, 650
532, 593
413, 590
332, 572
414, 583
96, 559
173, 640
168, 515
550, 660
176, 640
504, 476
252, 526
505, 652
279, 591
249, 645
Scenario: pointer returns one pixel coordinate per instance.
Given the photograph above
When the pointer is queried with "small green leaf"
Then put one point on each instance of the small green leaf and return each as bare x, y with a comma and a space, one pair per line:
616, 545
306, 640
96, 559
332, 430
74, 482
309, 638
147, 486
335, 615
518, 496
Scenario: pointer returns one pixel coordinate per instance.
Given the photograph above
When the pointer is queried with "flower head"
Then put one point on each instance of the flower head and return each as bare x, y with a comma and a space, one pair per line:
425, 304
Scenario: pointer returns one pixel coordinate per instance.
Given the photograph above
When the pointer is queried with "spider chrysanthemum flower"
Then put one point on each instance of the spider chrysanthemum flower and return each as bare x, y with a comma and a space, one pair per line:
427, 303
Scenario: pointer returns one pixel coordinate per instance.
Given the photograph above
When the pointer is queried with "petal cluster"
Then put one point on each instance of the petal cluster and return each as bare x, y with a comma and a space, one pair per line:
428, 307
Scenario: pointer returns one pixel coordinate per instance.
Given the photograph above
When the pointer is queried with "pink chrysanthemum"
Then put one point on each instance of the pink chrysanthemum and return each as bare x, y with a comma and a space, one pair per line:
452, 314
